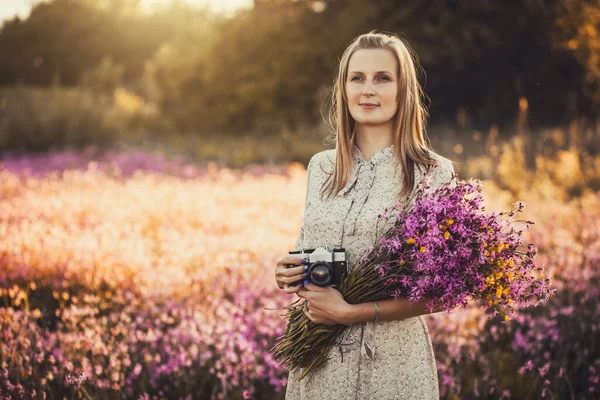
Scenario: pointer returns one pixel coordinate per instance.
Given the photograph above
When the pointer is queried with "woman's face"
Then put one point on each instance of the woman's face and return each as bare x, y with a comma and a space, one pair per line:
372, 86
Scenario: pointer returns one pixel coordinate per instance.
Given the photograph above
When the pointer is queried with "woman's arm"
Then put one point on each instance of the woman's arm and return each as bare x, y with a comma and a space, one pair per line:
400, 308
389, 310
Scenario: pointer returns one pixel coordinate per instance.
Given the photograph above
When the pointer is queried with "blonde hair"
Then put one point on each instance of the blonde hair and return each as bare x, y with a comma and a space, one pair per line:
411, 144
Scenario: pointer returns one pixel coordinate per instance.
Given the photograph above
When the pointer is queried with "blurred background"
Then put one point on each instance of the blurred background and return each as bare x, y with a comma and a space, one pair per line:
152, 159
239, 81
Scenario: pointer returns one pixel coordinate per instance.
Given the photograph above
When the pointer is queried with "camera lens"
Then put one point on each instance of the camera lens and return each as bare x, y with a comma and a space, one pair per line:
320, 273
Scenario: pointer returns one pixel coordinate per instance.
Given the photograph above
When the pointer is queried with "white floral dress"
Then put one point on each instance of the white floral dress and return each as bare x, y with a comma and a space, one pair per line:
383, 360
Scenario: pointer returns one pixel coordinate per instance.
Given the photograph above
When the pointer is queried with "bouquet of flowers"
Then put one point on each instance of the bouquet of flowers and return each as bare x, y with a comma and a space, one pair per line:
443, 247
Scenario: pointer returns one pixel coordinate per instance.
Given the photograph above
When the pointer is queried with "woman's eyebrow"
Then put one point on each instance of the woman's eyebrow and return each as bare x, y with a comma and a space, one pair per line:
378, 72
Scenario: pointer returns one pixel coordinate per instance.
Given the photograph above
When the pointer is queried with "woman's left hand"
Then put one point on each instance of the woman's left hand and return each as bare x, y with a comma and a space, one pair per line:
324, 304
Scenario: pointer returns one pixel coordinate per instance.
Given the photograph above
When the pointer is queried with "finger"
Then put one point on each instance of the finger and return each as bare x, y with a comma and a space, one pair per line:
309, 312
292, 289
313, 307
311, 287
289, 271
293, 278
306, 312
289, 260
283, 276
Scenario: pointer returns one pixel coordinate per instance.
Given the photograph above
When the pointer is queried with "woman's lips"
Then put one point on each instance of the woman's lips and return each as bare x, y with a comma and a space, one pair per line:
369, 106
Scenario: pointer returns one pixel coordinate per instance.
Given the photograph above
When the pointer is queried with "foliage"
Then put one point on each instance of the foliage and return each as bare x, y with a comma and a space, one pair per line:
269, 68
579, 22
34, 120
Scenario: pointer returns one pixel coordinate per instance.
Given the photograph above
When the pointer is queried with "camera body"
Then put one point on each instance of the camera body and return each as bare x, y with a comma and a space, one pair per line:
325, 267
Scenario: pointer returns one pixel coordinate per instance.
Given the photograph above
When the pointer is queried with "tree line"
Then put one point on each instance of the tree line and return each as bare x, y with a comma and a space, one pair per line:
271, 66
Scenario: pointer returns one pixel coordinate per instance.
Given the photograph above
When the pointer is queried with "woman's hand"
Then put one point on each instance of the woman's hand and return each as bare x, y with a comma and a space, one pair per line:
286, 273
324, 305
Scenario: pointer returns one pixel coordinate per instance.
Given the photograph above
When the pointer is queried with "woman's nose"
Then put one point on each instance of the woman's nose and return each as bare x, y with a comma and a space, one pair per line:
369, 88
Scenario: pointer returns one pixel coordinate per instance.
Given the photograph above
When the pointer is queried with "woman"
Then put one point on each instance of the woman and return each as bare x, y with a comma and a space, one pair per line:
381, 153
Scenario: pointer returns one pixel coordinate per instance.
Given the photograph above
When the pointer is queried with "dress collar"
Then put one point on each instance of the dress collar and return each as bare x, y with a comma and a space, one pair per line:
376, 159
359, 161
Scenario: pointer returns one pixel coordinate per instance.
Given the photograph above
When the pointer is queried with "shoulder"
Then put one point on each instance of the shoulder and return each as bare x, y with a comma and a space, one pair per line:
442, 171
322, 161
445, 165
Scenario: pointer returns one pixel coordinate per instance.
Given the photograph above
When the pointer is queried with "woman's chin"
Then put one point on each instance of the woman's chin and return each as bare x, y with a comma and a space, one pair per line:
370, 121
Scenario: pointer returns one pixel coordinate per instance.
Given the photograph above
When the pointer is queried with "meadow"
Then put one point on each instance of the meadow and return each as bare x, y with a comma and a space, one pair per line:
135, 275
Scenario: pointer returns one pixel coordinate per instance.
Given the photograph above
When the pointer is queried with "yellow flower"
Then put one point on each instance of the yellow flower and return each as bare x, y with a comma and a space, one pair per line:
484, 245
490, 280
444, 228
499, 275
506, 317
499, 291
500, 247
505, 291
490, 303
422, 249
446, 235
450, 221
510, 301
411, 241
510, 276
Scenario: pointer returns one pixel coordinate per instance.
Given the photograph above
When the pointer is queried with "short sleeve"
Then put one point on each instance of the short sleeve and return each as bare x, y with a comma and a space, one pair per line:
299, 240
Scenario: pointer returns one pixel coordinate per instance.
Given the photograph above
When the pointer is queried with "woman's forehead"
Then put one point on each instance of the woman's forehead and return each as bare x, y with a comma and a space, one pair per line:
372, 61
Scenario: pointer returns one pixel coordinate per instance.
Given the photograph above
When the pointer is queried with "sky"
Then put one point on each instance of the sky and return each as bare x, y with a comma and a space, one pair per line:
10, 8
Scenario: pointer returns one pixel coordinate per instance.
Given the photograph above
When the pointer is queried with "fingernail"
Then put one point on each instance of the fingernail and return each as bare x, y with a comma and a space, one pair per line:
303, 262
306, 282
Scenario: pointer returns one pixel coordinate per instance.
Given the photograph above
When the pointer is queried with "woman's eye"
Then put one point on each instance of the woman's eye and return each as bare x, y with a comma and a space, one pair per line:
358, 77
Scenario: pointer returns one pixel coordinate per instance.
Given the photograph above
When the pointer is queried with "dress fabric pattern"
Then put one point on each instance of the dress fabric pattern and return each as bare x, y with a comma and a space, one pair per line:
382, 360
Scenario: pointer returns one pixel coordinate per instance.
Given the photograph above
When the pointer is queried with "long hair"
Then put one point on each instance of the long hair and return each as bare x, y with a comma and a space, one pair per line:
411, 144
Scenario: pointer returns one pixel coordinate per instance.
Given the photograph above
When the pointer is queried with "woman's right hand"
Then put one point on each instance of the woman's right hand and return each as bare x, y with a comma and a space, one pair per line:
285, 275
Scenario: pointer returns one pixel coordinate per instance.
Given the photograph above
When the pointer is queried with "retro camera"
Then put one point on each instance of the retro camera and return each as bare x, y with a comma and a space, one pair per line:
325, 267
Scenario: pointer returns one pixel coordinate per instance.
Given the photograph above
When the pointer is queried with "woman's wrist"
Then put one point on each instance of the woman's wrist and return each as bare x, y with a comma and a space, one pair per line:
358, 313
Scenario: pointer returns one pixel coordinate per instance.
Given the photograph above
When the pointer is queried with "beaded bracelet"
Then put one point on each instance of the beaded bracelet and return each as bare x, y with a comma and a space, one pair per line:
376, 311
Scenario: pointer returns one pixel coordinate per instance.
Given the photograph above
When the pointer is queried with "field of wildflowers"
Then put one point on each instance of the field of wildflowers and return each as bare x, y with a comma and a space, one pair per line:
129, 275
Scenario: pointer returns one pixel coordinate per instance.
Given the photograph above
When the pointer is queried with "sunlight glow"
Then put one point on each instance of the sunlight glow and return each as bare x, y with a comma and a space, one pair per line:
221, 6
11, 8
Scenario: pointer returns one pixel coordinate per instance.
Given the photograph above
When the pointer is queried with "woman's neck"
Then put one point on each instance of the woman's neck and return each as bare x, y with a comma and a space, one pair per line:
373, 138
